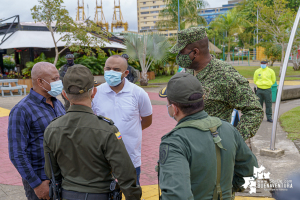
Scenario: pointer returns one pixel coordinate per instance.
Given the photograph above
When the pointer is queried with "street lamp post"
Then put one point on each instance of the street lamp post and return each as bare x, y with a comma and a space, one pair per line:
178, 17
281, 83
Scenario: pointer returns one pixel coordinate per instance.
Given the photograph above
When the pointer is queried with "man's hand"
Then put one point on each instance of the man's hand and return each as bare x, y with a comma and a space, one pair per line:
42, 191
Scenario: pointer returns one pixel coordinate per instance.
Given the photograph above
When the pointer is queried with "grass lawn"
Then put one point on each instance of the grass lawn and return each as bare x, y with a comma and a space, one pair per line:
290, 121
246, 71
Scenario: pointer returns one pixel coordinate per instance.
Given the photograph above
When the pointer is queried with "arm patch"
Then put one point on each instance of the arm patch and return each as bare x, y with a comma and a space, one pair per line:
163, 153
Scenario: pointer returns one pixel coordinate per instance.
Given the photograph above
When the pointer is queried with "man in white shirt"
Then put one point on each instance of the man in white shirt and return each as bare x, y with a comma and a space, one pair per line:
126, 104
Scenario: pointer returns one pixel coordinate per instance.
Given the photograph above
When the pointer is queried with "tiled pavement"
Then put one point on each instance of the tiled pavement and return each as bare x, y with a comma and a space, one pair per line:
10, 180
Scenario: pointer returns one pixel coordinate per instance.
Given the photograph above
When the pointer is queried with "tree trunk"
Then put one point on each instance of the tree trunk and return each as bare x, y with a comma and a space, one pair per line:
56, 56
282, 59
144, 79
228, 55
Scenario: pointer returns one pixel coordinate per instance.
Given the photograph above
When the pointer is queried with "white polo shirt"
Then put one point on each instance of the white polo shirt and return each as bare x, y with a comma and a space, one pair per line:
125, 109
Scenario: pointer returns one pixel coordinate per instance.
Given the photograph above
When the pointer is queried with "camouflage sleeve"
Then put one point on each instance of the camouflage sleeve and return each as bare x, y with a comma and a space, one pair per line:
243, 98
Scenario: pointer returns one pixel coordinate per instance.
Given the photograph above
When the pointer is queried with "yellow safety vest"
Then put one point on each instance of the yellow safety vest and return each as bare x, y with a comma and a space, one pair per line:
264, 78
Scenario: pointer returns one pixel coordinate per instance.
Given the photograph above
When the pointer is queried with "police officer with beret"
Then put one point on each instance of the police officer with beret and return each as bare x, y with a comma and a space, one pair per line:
86, 150
264, 78
203, 156
62, 71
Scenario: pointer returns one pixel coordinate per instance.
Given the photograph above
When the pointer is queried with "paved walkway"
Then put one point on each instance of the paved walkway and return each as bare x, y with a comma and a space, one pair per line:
10, 180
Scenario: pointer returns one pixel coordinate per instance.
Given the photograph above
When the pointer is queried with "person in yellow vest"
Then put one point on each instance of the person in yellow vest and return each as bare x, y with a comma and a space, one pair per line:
264, 78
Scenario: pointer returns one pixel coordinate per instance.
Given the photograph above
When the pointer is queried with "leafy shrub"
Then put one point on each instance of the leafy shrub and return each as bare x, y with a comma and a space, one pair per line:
8, 63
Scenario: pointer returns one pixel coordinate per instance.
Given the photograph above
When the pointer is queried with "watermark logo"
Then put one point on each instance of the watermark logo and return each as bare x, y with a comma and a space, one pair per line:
262, 180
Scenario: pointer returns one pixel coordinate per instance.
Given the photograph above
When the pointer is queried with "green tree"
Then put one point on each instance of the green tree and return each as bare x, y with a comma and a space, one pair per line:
276, 22
76, 35
231, 24
168, 17
146, 48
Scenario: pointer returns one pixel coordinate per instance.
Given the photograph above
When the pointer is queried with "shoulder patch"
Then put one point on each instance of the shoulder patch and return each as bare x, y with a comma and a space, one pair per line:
163, 153
118, 135
105, 119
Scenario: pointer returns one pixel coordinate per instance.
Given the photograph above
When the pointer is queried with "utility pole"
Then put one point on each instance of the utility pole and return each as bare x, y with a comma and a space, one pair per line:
178, 17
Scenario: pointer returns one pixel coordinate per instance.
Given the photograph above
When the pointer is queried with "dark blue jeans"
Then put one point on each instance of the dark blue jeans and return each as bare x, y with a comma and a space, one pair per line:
138, 172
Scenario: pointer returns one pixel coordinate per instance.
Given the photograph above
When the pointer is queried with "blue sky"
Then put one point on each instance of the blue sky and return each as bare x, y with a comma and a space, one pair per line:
10, 8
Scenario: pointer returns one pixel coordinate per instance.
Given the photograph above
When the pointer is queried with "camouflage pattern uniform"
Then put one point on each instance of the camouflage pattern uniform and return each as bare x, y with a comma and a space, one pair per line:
225, 88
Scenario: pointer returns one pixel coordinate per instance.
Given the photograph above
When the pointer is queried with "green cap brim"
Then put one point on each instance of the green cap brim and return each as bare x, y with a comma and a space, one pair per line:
177, 48
163, 93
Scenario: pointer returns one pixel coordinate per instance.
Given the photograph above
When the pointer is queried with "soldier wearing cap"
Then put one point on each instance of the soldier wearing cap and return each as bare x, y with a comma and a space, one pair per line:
203, 156
63, 71
264, 78
85, 149
225, 89
132, 75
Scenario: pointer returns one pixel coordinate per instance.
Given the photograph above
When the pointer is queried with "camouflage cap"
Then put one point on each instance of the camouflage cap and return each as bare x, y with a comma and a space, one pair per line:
69, 56
180, 88
80, 76
188, 36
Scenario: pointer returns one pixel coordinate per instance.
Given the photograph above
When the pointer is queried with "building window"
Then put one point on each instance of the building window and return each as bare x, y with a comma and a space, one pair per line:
144, 3
145, 27
145, 22
143, 8
154, 22
152, 12
154, 16
154, 7
163, 6
154, 1
143, 13
145, 17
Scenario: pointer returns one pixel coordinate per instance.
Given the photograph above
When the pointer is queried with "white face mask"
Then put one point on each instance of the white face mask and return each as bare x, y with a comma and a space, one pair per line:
56, 88
169, 113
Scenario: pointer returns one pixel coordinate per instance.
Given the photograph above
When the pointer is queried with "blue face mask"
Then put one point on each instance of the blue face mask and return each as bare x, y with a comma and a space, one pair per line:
263, 66
113, 78
56, 88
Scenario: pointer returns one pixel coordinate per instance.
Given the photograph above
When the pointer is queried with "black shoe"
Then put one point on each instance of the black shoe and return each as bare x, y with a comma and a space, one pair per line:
270, 120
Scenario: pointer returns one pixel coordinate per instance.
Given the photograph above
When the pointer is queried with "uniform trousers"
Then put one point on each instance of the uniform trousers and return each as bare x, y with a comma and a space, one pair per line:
265, 95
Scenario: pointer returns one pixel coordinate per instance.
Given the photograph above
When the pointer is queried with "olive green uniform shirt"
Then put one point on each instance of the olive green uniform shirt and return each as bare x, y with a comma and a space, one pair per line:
188, 163
225, 89
85, 149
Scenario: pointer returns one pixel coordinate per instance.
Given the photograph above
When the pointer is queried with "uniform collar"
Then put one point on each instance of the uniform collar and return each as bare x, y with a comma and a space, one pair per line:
80, 108
126, 88
199, 115
206, 69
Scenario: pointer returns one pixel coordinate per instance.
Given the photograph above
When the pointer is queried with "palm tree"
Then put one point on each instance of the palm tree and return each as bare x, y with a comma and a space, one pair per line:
188, 14
146, 48
231, 24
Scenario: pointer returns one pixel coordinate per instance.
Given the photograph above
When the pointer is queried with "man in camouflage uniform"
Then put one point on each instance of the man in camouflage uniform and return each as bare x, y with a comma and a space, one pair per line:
225, 89
62, 71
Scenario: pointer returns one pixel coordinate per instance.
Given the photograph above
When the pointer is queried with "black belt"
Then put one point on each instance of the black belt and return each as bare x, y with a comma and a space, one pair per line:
71, 195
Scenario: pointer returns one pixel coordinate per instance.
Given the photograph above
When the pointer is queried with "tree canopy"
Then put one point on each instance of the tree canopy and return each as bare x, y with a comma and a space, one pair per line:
168, 17
81, 36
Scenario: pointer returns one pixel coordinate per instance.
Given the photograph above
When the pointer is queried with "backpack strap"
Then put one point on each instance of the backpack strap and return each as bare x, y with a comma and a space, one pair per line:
218, 146
209, 124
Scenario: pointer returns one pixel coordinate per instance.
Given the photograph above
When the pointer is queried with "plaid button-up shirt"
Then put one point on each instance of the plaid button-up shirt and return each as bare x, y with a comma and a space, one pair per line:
27, 123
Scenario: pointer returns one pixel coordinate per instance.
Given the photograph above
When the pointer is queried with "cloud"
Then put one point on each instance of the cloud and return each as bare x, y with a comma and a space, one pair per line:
128, 8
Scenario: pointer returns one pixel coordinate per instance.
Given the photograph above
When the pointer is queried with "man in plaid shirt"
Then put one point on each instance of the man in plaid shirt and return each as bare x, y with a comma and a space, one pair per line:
27, 123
